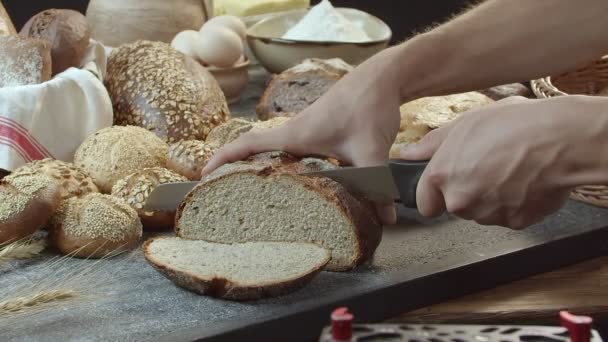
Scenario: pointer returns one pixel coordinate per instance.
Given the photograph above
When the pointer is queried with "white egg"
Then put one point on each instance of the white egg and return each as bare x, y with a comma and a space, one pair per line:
189, 43
231, 22
220, 46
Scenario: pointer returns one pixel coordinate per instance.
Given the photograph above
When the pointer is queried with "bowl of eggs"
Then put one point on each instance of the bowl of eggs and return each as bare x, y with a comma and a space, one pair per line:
219, 46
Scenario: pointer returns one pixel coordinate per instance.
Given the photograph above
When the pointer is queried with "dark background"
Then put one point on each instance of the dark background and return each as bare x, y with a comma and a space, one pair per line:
403, 16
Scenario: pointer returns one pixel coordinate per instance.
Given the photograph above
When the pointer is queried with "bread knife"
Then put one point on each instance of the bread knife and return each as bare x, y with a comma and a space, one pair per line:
397, 181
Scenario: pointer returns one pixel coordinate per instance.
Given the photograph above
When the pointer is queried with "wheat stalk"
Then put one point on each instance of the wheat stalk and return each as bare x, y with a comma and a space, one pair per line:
34, 302
21, 250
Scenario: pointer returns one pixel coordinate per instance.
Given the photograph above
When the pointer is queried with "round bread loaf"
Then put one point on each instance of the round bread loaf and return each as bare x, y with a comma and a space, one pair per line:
115, 152
228, 131
189, 157
72, 180
26, 204
66, 30
136, 188
270, 123
164, 91
95, 226
24, 61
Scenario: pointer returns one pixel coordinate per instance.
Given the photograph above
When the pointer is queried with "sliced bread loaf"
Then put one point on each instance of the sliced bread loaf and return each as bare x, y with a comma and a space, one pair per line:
264, 199
246, 271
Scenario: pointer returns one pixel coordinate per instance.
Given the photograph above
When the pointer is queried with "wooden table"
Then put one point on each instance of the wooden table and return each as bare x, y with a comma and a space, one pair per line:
581, 288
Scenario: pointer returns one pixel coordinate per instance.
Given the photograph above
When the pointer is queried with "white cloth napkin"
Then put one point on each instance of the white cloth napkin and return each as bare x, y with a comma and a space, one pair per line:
52, 119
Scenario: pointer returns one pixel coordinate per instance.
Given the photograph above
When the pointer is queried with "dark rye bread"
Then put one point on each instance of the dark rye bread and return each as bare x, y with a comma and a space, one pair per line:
293, 90
66, 30
164, 91
245, 271
264, 199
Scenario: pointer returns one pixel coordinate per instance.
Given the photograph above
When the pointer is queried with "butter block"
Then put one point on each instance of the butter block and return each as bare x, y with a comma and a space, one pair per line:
244, 8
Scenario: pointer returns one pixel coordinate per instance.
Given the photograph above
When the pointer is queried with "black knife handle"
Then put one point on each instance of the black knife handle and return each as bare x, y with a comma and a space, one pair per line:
406, 175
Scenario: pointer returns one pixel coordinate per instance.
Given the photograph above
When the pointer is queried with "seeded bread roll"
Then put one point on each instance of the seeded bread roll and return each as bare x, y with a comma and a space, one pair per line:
156, 87
71, 179
245, 271
136, 188
266, 199
6, 24
66, 30
26, 204
293, 90
115, 152
95, 226
228, 131
24, 61
189, 157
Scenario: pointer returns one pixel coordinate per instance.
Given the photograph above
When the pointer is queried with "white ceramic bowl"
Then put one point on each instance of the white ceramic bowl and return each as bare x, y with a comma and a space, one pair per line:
277, 54
232, 80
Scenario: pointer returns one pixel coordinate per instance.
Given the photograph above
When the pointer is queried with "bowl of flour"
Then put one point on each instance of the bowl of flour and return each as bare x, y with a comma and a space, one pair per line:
323, 31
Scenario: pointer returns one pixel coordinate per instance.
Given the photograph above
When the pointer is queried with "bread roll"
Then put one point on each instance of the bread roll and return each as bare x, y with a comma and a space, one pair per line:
115, 152
135, 189
95, 226
276, 203
26, 204
24, 61
189, 157
164, 91
234, 128
6, 24
293, 90
66, 30
72, 180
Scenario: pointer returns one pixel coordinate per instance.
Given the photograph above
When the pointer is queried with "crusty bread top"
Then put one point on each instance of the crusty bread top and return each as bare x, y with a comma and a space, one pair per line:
22, 190
228, 131
73, 180
156, 87
332, 65
270, 123
136, 187
191, 151
437, 111
118, 151
98, 216
24, 61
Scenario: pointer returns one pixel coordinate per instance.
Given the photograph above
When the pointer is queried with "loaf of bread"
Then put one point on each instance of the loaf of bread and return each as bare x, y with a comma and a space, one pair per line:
164, 91
240, 271
24, 61
115, 152
265, 199
72, 180
6, 24
189, 157
234, 128
293, 90
66, 30
135, 189
95, 226
26, 205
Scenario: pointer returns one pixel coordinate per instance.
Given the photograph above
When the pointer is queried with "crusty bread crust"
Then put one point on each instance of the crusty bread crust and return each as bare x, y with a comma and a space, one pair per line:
33, 217
358, 210
225, 288
79, 247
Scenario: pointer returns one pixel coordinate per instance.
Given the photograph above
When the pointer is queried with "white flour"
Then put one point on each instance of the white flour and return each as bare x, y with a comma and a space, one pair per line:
324, 23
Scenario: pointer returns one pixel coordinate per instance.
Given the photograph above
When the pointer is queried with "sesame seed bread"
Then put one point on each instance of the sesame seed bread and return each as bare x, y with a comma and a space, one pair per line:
72, 180
156, 87
95, 226
24, 61
135, 189
244, 271
293, 90
6, 24
228, 131
264, 199
66, 30
26, 205
115, 152
189, 157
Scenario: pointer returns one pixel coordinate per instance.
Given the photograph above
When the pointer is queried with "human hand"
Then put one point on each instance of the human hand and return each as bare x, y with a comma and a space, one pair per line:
356, 122
508, 164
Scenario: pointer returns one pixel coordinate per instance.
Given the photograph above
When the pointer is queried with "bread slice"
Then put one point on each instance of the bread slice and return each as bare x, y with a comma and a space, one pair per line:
265, 199
244, 271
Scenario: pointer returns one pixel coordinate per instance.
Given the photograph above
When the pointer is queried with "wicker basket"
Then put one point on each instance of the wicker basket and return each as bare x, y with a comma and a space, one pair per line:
591, 79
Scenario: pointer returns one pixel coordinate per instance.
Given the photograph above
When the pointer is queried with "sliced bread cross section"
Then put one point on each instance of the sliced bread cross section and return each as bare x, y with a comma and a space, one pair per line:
246, 271
266, 199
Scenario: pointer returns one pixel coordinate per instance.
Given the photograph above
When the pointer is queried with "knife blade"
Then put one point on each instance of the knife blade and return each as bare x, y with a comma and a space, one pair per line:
397, 180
